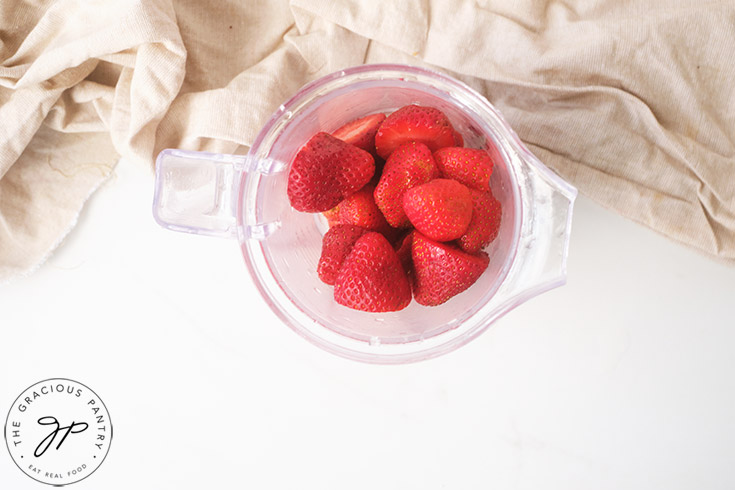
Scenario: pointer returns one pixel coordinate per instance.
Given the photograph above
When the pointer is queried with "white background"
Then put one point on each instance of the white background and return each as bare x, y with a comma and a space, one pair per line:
624, 378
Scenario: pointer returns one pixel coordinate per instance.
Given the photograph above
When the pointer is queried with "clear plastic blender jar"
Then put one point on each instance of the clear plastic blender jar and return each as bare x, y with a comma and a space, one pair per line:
243, 197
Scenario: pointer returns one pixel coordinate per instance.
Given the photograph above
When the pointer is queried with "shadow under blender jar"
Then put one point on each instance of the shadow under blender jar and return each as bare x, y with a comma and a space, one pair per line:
243, 197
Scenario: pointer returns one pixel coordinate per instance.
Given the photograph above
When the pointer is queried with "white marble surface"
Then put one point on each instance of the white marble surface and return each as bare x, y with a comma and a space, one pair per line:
624, 378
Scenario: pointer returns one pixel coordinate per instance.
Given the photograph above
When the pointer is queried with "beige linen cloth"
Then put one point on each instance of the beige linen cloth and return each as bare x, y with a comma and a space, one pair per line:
632, 101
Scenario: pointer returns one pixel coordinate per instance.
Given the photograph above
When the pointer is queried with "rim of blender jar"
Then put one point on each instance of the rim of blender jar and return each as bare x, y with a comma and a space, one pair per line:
303, 97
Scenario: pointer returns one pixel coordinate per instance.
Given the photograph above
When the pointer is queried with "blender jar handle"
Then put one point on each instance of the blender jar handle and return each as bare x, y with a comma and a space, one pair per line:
197, 192
541, 257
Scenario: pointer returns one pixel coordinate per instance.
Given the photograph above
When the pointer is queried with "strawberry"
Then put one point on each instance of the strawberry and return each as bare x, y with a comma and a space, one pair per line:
470, 166
440, 209
361, 132
442, 271
325, 171
372, 278
360, 210
414, 123
336, 245
485, 223
458, 139
410, 165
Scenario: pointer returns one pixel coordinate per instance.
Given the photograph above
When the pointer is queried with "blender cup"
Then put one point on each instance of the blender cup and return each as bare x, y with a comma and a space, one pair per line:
243, 197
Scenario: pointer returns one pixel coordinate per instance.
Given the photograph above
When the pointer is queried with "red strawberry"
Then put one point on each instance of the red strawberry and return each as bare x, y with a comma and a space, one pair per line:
440, 209
372, 278
336, 245
470, 166
442, 270
414, 123
410, 165
325, 171
361, 132
486, 214
360, 210
458, 139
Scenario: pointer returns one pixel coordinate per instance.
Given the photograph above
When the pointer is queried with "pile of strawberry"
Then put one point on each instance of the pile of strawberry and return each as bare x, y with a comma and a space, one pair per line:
409, 208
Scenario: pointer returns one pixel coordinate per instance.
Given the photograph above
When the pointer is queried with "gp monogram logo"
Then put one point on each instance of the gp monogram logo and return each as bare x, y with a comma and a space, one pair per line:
58, 431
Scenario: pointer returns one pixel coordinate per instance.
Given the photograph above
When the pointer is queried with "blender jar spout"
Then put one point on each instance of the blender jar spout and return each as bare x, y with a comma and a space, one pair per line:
197, 192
